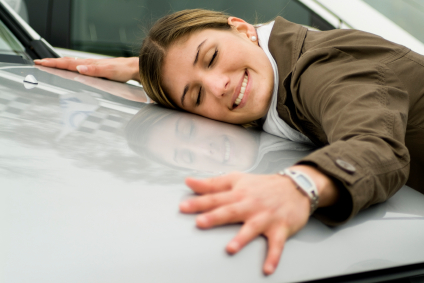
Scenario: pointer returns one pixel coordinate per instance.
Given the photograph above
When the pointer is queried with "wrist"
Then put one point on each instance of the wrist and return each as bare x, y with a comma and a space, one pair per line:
304, 184
327, 190
135, 69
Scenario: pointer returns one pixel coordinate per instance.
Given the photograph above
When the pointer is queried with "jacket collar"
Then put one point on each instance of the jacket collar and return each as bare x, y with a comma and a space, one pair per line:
285, 45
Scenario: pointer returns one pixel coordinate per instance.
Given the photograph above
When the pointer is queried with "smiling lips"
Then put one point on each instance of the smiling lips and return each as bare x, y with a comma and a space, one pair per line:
242, 90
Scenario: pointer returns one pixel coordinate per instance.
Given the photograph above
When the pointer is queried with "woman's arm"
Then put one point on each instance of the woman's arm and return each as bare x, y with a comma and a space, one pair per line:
270, 205
116, 69
361, 107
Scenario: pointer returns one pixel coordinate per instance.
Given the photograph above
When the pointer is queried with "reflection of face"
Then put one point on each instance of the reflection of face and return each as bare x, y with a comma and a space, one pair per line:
201, 144
214, 81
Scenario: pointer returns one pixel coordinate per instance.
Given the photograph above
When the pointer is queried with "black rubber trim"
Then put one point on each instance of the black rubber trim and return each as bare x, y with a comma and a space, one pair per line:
36, 49
383, 275
41, 50
15, 59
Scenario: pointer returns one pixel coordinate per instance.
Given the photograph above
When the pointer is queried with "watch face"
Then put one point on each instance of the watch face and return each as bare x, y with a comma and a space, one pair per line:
303, 182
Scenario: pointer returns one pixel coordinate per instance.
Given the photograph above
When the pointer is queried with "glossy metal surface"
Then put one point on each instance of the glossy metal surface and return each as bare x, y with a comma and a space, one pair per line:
359, 15
90, 186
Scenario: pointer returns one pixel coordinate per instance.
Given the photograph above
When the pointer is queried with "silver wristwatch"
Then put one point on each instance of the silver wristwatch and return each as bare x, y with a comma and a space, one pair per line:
304, 184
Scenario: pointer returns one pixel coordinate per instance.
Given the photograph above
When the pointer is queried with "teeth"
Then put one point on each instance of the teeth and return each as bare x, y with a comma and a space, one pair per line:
242, 90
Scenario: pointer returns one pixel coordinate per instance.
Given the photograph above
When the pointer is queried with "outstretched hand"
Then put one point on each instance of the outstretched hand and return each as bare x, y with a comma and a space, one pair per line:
267, 204
116, 69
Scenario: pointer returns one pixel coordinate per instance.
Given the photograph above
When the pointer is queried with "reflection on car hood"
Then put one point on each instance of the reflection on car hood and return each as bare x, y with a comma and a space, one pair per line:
90, 186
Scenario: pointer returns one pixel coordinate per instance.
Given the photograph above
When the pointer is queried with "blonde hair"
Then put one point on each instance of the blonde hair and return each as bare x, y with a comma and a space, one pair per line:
161, 36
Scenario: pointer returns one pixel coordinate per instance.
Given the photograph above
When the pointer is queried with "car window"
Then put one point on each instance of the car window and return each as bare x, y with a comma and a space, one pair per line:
115, 27
408, 14
19, 6
11, 50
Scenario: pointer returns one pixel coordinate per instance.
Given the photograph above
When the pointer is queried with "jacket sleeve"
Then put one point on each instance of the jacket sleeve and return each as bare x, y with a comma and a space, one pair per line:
363, 109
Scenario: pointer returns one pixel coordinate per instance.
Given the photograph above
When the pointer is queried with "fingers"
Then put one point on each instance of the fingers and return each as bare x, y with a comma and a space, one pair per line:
259, 202
249, 231
276, 240
277, 235
83, 66
66, 63
213, 185
87, 67
104, 71
232, 213
207, 202
117, 69
93, 71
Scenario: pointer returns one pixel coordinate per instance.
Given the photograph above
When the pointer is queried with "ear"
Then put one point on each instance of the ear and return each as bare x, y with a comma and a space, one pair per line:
243, 28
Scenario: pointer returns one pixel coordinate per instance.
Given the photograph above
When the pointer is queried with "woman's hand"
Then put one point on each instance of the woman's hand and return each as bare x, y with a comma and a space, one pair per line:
116, 69
118, 89
270, 205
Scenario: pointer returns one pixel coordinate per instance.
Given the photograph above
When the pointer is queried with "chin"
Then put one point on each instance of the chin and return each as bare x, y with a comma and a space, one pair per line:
244, 121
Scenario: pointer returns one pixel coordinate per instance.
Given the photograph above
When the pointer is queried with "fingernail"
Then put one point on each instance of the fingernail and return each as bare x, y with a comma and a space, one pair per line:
82, 69
184, 205
202, 221
269, 268
38, 61
233, 247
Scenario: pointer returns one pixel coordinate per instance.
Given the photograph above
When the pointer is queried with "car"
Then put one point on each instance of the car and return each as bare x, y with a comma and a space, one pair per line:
92, 175
397, 21
114, 27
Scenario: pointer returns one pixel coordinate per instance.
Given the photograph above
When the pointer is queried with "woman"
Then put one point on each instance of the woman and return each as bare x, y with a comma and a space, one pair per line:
353, 93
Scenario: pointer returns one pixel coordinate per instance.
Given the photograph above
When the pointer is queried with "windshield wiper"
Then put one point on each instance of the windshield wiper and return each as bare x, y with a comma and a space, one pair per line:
16, 59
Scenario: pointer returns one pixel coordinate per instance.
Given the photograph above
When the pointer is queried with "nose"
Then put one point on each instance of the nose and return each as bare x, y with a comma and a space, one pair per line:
217, 84
206, 149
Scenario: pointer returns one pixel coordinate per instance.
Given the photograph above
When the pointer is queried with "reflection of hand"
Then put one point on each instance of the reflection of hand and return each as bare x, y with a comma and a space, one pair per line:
116, 69
117, 89
267, 204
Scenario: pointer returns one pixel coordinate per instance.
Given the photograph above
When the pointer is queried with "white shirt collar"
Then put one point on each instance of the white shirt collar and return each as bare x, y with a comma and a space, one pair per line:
273, 123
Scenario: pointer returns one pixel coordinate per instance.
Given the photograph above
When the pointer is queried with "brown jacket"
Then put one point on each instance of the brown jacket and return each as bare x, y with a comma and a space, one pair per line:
359, 97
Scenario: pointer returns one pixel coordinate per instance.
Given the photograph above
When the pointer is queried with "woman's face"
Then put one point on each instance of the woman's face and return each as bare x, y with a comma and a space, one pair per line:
192, 142
219, 74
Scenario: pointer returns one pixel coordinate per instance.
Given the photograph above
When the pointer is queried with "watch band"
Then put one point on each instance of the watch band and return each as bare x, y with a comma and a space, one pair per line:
305, 184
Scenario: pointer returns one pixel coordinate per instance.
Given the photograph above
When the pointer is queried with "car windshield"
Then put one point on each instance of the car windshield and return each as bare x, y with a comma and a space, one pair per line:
113, 27
11, 50
408, 14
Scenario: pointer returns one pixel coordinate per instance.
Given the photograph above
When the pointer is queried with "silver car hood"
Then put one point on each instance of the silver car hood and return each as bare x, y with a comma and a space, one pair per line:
91, 182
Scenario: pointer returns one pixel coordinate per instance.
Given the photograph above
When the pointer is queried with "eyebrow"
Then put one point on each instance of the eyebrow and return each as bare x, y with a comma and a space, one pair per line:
198, 50
194, 63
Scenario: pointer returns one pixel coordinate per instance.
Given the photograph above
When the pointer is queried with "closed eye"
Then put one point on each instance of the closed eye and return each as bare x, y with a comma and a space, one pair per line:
199, 96
213, 57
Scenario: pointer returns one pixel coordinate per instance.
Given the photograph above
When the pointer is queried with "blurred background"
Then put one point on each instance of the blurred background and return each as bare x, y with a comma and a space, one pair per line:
117, 27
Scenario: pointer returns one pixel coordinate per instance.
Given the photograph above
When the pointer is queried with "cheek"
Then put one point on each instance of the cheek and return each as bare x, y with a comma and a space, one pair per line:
213, 111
